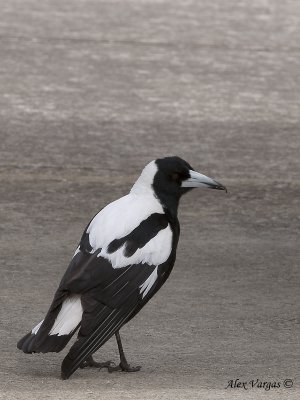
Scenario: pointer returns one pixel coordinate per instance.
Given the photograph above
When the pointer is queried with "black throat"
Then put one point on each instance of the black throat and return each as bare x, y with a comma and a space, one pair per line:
169, 202
169, 199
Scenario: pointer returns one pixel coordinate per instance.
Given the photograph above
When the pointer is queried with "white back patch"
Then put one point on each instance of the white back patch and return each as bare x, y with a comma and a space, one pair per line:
69, 316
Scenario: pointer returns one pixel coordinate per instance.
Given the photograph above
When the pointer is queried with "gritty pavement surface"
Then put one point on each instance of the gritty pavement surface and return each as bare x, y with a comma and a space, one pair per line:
92, 90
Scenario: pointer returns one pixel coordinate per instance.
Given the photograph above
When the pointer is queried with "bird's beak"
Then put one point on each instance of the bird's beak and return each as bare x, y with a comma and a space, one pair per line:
199, 180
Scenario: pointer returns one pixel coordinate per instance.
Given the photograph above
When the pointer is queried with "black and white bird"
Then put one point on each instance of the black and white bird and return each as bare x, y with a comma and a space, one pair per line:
125, 254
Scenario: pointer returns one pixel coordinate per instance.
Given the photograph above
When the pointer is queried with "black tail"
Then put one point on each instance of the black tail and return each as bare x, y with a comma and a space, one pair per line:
39, 340
32, 343
108, 322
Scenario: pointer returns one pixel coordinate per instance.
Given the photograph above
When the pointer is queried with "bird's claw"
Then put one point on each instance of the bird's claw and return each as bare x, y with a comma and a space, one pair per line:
123, 367
94, 364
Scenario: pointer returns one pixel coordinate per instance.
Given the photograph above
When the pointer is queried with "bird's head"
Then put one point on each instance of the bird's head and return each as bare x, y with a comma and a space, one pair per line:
170, 178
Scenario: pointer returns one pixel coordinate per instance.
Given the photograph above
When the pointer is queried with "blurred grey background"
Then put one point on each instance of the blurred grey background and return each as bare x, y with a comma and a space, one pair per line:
92, 90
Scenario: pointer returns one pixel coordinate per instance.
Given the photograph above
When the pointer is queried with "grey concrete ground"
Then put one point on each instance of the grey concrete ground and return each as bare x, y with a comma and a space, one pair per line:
93, 90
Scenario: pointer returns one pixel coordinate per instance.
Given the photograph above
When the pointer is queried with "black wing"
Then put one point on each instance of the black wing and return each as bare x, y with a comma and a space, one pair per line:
103, 290
109, 296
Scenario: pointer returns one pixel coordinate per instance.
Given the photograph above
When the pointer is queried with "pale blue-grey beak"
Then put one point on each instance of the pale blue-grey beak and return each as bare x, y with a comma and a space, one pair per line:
199, 180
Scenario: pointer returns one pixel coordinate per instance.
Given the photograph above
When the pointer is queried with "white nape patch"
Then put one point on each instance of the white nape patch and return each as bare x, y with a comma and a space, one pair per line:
122, 216
145, 180
149, 282
69, 316
36, 328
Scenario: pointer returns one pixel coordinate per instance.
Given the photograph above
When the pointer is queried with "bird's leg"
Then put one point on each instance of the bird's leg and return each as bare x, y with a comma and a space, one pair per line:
90, 362
123, 366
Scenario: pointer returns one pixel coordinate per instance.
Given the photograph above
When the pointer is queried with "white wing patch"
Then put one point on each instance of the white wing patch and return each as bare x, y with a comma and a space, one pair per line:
155, 252
120, 218
69, 317
149, 282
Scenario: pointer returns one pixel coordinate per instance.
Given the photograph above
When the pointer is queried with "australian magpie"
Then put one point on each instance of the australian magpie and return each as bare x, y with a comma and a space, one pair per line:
125, 255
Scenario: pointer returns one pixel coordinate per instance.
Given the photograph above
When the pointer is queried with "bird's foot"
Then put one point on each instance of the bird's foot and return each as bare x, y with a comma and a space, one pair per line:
123, 366
90, 362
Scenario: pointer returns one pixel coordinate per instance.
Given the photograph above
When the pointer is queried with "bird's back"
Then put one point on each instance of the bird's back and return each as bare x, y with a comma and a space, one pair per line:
121, 261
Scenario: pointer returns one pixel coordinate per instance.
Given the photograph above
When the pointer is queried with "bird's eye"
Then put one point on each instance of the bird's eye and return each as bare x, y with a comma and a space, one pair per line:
175, 176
